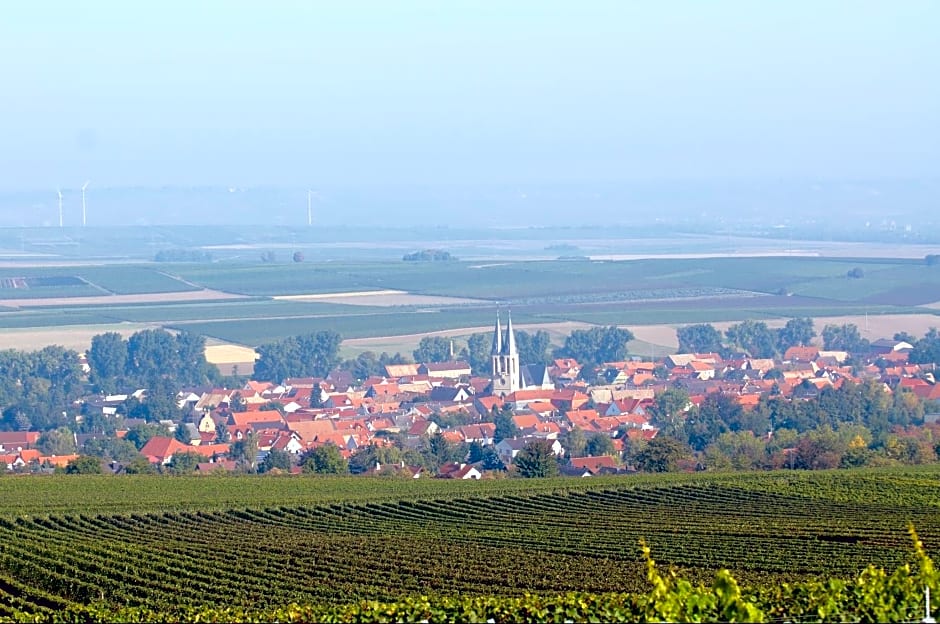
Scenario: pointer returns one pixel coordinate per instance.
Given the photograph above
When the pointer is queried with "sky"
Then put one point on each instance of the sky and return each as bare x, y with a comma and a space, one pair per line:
354, 93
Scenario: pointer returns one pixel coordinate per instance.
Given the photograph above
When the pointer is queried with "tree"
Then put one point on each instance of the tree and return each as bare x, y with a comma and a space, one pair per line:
843, 338
754, 337
702, 338
662, 454
600, 444
139, 465
115, 449
309, 355
185, 462
533, 348
856, 273
536, 459
59, 441
505, 425
597, 345
298, 256
927, 349
478, 353
84, 464
575, 442
139, 435
276, 458
245, 451
324, 459
433, 349
669, 408
798, 332
107, 359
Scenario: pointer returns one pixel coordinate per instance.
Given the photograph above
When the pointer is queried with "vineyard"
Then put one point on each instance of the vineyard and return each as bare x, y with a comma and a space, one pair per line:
503, 541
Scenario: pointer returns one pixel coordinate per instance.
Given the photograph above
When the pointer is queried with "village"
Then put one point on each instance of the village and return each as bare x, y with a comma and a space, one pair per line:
483, 423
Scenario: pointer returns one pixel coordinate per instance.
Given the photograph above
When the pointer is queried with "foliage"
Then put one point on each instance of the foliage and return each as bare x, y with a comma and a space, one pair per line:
185, 462
309, 355
84, 464
536, 459
798, 332
596, 345
505, 425
277, 459
533, 348
754, 337
59, 441
701, 338
429, 255
433, 349
662, 454
139, 435
927, 349
600, 444
324, 459
843, 338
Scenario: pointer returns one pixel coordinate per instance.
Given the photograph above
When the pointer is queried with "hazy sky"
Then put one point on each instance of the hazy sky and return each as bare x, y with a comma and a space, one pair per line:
302, 92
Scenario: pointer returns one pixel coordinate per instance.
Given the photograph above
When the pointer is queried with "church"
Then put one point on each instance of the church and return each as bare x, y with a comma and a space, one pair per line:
507, 374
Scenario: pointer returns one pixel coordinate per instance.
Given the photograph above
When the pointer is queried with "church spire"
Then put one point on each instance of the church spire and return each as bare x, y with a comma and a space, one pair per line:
497, 337
509, 345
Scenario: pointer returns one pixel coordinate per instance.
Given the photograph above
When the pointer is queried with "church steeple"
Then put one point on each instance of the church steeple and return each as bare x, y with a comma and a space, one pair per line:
497, 337
505, 359
509, 345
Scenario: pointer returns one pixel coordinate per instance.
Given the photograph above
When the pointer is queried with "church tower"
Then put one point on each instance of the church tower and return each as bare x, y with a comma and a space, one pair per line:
505, 357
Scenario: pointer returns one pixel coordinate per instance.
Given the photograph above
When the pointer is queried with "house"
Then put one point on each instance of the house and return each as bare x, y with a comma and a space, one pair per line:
508, 449
160, 449
454, 369
884, 346
459, 471
482, 433
14, 441
603, 464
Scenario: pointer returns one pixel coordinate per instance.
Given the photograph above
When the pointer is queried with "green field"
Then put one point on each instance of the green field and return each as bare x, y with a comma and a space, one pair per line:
261, 542
640, 292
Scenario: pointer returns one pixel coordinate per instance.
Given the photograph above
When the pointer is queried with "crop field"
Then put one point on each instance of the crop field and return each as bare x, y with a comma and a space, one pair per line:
638, 292
265, 541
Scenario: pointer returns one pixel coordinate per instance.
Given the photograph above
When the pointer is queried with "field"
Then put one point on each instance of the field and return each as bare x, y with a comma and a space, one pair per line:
251, 303
261, 542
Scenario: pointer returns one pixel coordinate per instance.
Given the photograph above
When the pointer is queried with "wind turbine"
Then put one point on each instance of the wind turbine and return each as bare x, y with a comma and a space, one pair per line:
59, 191
84, 186
309, 207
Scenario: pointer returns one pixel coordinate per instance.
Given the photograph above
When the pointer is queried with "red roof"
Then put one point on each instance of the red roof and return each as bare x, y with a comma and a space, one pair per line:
160, 448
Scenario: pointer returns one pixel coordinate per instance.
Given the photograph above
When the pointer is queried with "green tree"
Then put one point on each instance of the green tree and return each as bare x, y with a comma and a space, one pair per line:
244, 452
754, 337
59, 441
185, 462
843, 338
927, 349
701, 338
324, 459
596, 345
600, 444
662, 454
139, 465
139, 435
309, 355
478, 353
107, 359
84, 464
115, 449
533, 348
276, 458
575, 442
505, 425
798, 332
669, 408
536, 459
433, 349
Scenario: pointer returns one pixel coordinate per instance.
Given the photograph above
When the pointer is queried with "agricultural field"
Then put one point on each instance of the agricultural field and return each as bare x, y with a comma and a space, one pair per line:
253, 303
263, 542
